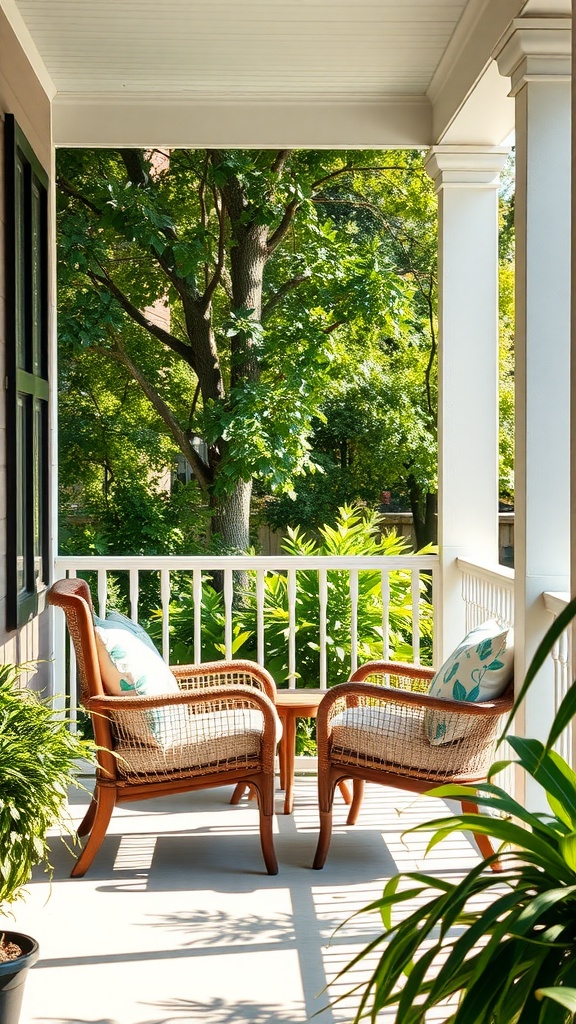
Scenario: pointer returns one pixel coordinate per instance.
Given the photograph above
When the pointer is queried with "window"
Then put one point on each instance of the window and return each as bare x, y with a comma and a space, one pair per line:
27, 424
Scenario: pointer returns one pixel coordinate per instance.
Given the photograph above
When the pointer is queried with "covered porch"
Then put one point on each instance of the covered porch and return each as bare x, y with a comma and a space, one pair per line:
166, 924
455, 80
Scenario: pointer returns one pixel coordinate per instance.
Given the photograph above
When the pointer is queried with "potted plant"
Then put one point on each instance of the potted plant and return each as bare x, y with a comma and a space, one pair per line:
493, 948
38, 761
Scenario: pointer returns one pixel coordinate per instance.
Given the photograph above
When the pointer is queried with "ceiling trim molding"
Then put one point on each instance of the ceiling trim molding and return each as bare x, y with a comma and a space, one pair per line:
143, 121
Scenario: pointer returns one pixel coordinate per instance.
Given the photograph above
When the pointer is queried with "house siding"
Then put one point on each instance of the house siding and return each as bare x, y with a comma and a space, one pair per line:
22, 95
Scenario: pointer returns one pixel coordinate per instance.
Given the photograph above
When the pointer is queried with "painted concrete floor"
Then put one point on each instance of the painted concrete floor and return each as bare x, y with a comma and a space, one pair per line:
176, 921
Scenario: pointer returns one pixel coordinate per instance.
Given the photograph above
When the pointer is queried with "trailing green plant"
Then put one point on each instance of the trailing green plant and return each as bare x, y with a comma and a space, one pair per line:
38, 762
492, 948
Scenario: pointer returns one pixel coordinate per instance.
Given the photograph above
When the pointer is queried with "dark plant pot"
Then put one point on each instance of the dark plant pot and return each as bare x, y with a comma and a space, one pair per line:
13, 975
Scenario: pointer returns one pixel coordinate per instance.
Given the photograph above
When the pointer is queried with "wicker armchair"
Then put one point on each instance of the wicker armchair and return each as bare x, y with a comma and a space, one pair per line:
220, 729
376, 728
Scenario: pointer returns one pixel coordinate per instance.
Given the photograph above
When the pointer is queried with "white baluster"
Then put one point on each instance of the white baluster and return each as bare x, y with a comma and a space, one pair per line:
292, 629
260, 615
323, 609
197, 598
165, 600
228, 598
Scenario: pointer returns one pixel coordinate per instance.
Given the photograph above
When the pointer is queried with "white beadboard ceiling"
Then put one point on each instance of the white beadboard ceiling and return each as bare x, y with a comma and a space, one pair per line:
271, 72
287, 49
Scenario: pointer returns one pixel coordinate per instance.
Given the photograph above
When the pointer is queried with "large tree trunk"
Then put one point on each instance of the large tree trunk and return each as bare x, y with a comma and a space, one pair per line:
424, 514
231, 523
231, 519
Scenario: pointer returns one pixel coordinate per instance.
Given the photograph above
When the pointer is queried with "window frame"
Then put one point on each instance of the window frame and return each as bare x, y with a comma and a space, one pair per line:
27, 378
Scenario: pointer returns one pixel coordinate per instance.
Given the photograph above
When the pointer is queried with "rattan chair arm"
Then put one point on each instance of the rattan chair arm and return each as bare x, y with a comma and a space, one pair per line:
221, 670
208, 695
403, 669
245, 696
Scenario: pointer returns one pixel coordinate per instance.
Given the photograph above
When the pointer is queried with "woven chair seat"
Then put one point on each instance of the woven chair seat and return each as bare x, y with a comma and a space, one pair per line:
224, 739
393, 738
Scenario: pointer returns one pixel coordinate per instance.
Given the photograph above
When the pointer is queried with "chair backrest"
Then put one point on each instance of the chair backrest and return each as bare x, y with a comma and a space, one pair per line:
73, 596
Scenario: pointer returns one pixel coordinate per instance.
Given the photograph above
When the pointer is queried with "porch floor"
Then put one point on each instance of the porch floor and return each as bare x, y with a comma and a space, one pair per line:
177, 922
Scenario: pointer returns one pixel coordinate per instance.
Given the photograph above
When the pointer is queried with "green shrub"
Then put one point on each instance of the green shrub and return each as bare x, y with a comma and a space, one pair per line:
38, 756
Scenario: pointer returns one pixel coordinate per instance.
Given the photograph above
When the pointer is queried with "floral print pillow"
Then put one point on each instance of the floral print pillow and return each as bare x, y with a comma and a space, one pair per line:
131, 665
479, 669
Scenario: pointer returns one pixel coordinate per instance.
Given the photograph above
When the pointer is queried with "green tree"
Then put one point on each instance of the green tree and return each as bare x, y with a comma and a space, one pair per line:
506, 353
223, 283
377, 429
114, 454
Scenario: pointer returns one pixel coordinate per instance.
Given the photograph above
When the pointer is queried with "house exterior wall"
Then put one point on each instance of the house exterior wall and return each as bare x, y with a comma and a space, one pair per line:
21, 95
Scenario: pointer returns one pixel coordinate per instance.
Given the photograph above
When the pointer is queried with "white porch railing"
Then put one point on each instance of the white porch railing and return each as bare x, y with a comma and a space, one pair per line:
415, 568
488, 593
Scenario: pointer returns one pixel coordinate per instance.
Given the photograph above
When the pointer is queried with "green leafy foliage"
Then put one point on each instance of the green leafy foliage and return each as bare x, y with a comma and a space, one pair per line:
225, 285
355, 532
38, 756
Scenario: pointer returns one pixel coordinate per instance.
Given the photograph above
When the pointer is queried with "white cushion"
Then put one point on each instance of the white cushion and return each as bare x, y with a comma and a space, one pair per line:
479, 669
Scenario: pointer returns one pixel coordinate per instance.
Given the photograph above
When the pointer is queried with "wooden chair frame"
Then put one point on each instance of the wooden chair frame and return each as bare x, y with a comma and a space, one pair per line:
407, 697
228, 687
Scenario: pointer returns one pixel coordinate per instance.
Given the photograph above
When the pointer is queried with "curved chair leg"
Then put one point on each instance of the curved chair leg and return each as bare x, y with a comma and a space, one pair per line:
238, 793
346, 795
357, 797
482, 841
267, 843
326, 789
263, 789
324, 838
85, 825
106, 800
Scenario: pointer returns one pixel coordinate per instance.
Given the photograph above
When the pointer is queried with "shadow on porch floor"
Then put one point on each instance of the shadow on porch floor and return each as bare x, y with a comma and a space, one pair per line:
177, 922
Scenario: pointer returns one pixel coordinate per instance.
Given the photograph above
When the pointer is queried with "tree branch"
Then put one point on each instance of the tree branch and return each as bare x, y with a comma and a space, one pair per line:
279, 161
201, 470
432, 355
69, 190
134, 164
350, 169
212, 284
277, 297
184, 351
279, 233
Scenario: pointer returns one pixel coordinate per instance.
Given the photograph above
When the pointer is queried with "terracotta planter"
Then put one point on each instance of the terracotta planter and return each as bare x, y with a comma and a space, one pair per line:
13, 975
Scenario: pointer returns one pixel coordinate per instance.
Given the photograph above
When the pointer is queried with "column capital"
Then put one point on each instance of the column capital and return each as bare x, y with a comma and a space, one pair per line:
466, 166
535, 50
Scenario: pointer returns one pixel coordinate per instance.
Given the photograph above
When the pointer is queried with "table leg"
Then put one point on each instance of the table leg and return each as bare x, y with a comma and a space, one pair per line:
289, 740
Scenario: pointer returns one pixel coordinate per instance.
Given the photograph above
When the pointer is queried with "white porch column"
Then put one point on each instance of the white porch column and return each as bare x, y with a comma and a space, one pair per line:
467, 180
535, 54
